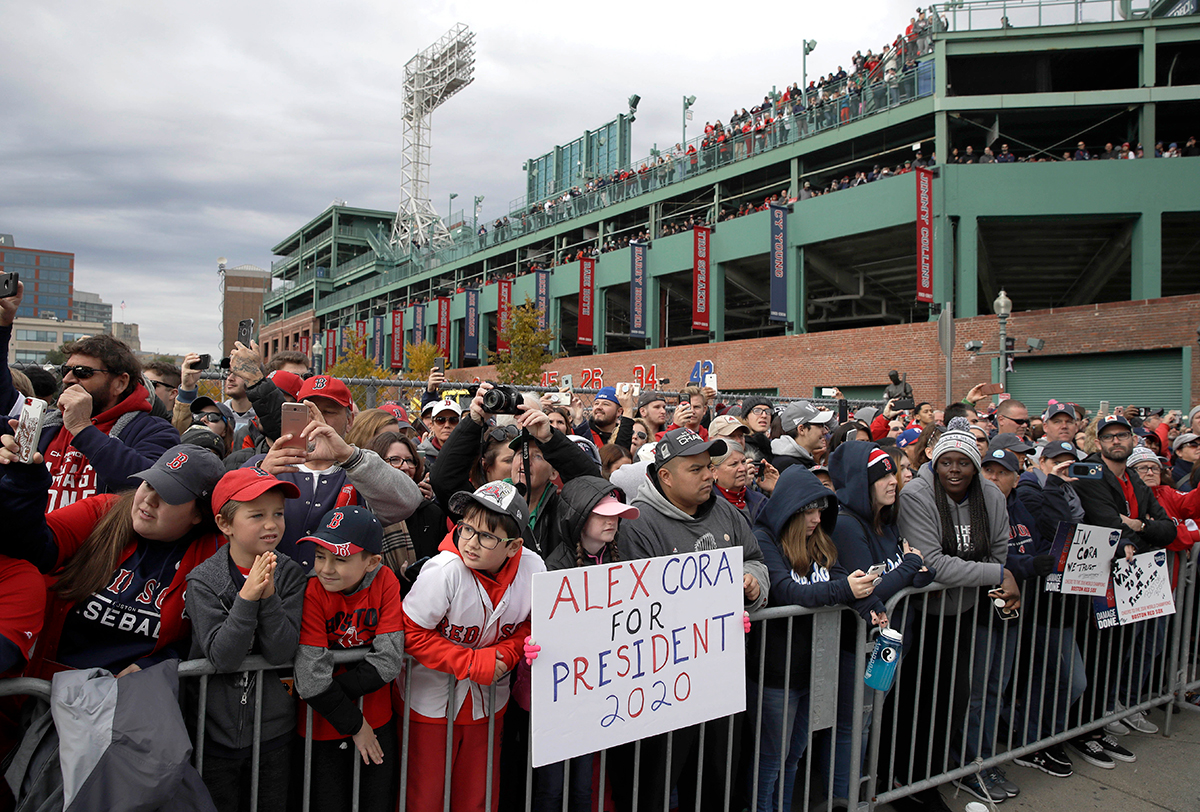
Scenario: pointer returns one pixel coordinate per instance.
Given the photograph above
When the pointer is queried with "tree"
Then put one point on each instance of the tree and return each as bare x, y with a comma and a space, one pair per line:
420, 359
354, 363
528, 347
56, 356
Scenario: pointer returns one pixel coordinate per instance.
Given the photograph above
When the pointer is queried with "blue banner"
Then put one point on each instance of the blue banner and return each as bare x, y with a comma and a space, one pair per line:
542, 298
471, 330
418, 328
637, 290
778, 263
378, 336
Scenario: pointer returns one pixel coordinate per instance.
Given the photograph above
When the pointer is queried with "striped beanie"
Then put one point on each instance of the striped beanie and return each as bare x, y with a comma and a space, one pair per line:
879, 465
958, 437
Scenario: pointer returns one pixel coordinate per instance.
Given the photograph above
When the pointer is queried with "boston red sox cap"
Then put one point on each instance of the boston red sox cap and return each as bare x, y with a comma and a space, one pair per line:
348, 530
184, 473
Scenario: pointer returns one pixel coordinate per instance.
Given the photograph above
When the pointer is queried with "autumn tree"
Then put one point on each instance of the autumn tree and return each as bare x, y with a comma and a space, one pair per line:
420, 359
354, 363
528, 347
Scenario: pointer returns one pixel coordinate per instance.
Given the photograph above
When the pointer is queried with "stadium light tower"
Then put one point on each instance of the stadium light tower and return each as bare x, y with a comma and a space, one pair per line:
430, 78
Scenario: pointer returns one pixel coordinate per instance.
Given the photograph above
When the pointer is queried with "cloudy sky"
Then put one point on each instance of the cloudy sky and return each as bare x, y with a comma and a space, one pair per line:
151, 138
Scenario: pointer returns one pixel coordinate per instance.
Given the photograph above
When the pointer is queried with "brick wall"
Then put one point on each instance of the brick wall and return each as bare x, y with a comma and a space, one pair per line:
796, 364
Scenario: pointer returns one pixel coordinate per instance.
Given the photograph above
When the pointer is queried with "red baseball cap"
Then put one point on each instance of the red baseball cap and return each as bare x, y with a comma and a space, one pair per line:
323, 386
245, 484
289, 382
396, 410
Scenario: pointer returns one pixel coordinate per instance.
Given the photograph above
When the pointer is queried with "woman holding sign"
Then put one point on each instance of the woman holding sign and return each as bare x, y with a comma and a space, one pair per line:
794, 531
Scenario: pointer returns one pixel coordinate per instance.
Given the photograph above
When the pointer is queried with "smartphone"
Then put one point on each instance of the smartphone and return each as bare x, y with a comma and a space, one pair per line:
998, 602
566, 382
8, 284
710, 380
29, 429
843, 410
1085, 470
1103, 408
991, 389
439, 365
876, 571
829, 391
562, 398
225, 363
904, 405
246, 331
204, 363
292, 420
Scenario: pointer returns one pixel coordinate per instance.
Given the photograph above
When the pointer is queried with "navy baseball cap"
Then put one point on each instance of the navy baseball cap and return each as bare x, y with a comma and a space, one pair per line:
1112, 420
184, 473
1011, 442
907, 437
1058, 408
1003, 457
1059, 449
348, 530
685, 443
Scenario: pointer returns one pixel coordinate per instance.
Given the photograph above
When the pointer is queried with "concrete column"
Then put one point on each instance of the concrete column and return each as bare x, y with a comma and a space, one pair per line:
600, 332
967, 285
797, 292
653, 302
716, 301
1147, 257
556, 324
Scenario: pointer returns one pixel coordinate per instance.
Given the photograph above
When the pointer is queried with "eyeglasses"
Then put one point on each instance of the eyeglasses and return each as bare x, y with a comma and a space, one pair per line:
501, 433
464, 532
1146, 469
1191, 444
162, 384
1115, 436
80, 371
761, 410
641, 435
441, 421
400, 462
207, 417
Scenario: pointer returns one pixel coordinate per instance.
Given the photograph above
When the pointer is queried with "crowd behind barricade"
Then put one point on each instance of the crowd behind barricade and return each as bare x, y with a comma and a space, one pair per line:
154, 524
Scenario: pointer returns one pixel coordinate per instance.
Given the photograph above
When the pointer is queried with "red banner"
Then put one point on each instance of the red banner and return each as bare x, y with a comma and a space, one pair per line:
331, 348
700, 239
397, 339
924, 235
304, 345
503, 311
443, 326
587, 295
360, 334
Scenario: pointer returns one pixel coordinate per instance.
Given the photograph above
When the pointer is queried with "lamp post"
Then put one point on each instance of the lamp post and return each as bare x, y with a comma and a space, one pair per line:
1003, 308
318, 355
688, 101
809, 45
448, 207
475, 212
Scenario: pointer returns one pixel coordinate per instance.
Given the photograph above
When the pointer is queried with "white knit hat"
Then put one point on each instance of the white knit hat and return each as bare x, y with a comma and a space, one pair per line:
958, 437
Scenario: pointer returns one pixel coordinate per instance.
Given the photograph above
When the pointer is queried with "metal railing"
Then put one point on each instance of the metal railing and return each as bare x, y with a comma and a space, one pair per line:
982, 15
970, 693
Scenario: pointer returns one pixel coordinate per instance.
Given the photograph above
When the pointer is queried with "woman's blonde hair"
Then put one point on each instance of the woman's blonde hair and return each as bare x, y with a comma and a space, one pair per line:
367, 424
803, 551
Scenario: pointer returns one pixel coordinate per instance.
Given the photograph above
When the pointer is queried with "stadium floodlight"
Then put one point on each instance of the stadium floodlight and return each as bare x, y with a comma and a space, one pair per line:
973, 346
688, 101
633, 103
807, 47
430, 78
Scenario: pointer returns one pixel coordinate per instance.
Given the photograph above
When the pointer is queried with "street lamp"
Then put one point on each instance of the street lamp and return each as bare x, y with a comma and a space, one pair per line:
318, 355
688, 101
1003, 308
809, 45
475, 211
449, 205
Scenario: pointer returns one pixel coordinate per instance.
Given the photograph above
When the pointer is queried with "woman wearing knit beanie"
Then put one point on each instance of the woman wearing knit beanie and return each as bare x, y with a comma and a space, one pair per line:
959, 522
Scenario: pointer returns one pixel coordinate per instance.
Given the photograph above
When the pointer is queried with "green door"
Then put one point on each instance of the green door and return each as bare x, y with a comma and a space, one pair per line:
1151, 378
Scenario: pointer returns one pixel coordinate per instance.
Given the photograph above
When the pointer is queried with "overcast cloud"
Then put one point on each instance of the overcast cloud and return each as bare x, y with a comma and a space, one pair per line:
151, 138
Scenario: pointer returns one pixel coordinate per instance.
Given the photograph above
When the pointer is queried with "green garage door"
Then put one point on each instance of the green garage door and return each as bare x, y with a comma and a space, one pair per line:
1153, 378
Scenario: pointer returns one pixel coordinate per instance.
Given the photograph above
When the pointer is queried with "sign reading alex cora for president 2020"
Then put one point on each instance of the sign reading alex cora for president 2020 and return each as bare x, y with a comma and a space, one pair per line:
634, 649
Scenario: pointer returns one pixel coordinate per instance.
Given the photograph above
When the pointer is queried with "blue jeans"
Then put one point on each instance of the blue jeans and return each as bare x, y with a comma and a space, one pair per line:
994, 653
1056, 684
548, 785
1144, 642
784, 719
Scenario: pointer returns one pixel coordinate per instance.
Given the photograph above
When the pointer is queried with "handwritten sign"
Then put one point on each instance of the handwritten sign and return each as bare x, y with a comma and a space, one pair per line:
1083, 555
1142, 588
634, 649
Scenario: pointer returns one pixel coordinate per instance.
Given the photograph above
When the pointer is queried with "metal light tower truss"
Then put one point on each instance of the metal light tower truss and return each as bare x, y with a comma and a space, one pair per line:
430, 78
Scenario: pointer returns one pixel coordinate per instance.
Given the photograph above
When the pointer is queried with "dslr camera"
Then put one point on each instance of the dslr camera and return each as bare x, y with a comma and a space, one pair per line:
502, 399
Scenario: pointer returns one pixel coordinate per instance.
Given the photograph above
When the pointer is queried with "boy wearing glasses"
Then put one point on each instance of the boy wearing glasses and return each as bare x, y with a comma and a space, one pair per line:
467, 614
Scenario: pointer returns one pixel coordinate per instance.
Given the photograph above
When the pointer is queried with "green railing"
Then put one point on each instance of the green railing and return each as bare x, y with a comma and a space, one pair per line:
982, 15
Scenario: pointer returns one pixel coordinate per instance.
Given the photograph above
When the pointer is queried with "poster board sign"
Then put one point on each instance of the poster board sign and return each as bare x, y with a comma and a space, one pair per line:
1083, 555
635, 649
1142, 588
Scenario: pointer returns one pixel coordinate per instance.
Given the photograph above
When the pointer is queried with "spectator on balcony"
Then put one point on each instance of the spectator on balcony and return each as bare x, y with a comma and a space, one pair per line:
987, 156
1081, 153
1005, 157
1109, 153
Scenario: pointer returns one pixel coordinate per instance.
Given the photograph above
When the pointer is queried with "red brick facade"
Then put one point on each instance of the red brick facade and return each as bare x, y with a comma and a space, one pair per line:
796, 364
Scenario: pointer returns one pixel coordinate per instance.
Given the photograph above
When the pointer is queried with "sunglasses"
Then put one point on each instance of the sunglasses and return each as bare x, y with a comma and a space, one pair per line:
441, 421
80, 371
207, 417
1020, 421
501, 434
162, 384
641, 435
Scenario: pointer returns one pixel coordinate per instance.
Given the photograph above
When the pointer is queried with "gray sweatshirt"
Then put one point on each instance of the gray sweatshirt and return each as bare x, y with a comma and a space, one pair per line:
226, 628
922, 528
663, 529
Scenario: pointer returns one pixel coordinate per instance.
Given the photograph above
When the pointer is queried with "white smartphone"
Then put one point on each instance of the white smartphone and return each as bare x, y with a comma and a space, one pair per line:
710, 380
29, 429
876, 571
829, 391
561, 398
633, 388
566, 381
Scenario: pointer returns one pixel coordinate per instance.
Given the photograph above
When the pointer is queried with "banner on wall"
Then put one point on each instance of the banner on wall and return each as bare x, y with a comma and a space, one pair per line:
637, 290
331, 348
779, 256
503, 311
418, 323
471, 329
305, 345
360, 336
587, 298
377, 347
542, 298
700, 240
397, 339
443, 326
924, 235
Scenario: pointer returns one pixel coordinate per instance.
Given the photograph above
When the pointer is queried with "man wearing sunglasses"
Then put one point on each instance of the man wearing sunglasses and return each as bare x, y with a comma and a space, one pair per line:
1012, 418
103, 433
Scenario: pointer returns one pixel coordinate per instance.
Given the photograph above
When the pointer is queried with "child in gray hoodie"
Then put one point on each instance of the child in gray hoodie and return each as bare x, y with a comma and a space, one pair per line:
247, 600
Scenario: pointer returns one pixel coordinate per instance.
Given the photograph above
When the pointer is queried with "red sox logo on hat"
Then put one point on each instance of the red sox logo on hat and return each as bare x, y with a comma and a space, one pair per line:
342, 550
334, 521
178, 462
499, 491
320, 382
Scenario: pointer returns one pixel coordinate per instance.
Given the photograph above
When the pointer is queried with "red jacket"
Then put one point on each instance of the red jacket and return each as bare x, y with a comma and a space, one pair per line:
1184, 510
70, 527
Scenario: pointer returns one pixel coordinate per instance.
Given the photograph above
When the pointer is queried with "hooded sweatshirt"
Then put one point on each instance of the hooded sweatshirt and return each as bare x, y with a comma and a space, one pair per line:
663, 529
920, 524
819, 586
860, 546
575, 504
786, 452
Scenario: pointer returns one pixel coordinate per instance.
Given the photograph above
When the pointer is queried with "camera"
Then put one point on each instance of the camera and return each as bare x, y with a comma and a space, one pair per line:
502, 400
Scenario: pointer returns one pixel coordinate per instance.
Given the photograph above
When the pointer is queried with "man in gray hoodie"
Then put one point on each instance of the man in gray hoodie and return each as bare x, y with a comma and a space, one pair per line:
680, 513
